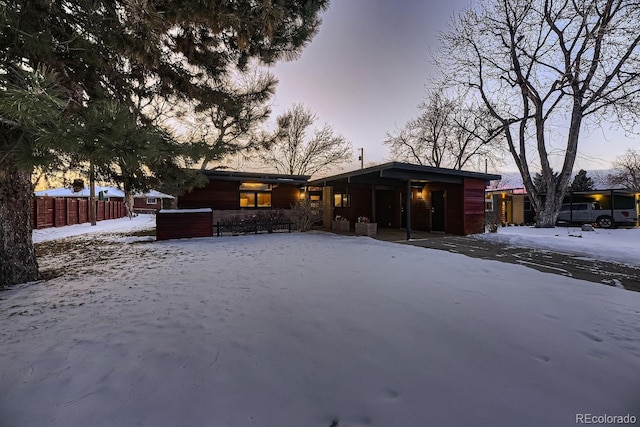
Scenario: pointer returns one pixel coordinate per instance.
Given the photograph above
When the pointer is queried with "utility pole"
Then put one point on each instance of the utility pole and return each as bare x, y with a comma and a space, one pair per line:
361, 158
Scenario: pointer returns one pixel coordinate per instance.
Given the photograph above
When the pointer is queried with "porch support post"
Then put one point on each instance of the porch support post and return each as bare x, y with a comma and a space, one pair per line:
612, 207
570, 206
373, 203
408, 209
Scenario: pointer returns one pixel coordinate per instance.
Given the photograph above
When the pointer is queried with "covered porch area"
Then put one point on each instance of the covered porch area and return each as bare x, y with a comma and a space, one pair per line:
405, 196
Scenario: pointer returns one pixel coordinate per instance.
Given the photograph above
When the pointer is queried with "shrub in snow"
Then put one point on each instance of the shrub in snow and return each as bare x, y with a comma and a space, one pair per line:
305, 214
267, 220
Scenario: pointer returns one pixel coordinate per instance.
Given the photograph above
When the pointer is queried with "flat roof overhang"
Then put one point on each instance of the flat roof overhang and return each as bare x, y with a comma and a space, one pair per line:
267, 178
395, 173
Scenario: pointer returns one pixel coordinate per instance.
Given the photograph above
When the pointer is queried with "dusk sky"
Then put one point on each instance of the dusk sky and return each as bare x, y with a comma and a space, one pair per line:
365, 73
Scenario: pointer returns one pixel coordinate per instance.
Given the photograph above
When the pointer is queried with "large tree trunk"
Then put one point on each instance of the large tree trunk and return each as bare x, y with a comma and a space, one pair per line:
547, 217
92, 194
18, 262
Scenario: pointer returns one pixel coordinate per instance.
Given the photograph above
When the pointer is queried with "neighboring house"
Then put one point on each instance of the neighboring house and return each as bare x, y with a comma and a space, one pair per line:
514, 207
395, 195
152, 201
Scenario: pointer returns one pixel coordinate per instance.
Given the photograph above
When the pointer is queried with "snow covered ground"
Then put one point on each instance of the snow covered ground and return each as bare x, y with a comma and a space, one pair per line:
305, 329
619, 245
120, 225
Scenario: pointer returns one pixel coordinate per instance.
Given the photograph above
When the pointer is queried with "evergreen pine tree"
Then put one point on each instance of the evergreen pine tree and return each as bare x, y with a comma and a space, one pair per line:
581, 182
127, 54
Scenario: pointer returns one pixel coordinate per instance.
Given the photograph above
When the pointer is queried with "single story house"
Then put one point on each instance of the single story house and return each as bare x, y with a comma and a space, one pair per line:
511, 205
394, 195
152, 201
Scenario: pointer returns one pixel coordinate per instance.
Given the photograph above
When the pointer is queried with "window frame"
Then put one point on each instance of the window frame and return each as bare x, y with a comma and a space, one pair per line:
345, 200
255, 190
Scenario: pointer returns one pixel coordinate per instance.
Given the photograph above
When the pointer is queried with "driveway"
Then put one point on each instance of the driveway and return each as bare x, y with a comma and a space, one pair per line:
571, 265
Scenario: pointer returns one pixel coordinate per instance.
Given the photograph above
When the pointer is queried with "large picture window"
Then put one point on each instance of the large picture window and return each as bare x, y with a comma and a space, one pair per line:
255, 195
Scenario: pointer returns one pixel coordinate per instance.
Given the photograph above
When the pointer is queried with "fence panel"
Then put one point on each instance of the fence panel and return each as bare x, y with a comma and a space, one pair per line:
83, 211
72, 211
45, 213
60, 209
100, 210
57, 212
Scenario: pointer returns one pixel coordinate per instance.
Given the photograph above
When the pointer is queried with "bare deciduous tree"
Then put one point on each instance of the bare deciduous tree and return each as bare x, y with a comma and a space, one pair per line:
293, 153
448, 133
230, 122
627, 171
424, 140
541, 68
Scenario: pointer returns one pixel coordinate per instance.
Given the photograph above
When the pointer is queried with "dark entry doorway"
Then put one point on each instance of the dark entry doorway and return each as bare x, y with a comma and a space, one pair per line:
437, 210
386, 208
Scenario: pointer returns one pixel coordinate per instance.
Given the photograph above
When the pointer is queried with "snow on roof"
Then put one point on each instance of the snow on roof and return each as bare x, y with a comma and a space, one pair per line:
512, 180
68, 192
156, 194
108, 192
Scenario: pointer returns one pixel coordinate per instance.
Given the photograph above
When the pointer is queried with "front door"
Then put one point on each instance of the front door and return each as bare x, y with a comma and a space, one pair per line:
437, 210
386, 205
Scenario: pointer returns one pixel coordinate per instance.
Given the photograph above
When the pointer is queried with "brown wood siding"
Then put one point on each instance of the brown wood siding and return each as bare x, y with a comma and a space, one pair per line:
360, 202
283, 196
183, 225
215, 195
454, 223
473, 206
140, 205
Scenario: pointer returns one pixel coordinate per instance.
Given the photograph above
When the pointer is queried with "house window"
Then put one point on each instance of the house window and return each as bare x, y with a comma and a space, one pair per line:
341, 200
527, 204
255, 195
152, 201
488, 204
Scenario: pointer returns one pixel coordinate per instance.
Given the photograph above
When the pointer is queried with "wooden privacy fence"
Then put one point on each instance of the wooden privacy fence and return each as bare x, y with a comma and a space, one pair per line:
60, 211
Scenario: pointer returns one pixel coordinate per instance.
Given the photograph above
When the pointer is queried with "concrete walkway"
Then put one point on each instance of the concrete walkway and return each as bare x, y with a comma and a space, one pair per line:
571, 265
